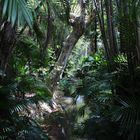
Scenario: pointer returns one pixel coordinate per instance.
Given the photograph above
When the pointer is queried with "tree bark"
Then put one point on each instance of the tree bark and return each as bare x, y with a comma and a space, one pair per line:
68, 45
78, 28
111, 32
138, 39
7, 44
100, 15
79, 25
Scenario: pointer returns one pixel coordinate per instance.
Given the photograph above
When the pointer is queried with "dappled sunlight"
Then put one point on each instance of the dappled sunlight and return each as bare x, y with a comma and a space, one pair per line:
69, 70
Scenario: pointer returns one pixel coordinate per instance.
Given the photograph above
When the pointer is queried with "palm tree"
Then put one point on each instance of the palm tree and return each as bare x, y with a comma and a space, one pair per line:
14, 13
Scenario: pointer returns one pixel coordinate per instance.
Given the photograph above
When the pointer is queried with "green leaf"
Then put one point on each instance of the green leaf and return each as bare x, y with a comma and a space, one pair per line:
14, 12
9, 10
5, 5
26, 12
17, 10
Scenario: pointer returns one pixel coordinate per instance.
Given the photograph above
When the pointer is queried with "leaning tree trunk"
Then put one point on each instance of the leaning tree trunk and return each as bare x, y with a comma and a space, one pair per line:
78, 24
68, 45
78, 28
56, 74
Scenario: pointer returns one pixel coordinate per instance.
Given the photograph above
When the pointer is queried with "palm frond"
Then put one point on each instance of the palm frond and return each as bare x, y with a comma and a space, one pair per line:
17, 11
127, 115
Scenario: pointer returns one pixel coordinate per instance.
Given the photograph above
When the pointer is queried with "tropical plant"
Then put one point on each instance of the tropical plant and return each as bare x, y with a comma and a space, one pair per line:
127, 115
16, 12
14, 123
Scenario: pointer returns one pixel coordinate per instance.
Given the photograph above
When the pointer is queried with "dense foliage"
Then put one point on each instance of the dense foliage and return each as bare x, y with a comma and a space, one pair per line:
70, 69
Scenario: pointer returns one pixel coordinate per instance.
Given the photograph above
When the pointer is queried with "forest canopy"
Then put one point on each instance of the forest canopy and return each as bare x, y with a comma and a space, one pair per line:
70, 69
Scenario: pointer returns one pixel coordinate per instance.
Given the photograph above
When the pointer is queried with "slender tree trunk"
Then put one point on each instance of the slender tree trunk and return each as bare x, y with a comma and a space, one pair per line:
7, 44
93, 40
100, 16
138, 39
128, 43
111, 32
44, 48
68, 45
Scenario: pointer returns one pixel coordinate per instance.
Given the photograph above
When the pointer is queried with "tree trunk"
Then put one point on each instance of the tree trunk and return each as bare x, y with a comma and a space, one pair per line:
68, 45
100, 15
78, 28
111, 32
138, 39
78, 24
7, 42
93, 40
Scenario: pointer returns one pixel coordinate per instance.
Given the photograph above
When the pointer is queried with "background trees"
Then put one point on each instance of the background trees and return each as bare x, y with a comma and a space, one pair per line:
67, 49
